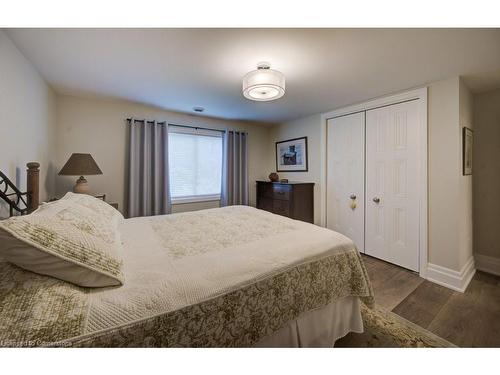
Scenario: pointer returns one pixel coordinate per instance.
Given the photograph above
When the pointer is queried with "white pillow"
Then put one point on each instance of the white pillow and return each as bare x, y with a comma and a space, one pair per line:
97, 205
74, 239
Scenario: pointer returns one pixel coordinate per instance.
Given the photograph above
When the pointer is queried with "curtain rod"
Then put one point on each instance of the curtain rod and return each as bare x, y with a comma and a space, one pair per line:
181, 126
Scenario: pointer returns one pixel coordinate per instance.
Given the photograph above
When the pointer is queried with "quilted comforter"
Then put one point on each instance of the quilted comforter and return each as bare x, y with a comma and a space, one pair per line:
223, 277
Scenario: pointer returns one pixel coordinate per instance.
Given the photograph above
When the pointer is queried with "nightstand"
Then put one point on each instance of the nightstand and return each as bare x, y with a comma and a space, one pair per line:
103, 197
98, 196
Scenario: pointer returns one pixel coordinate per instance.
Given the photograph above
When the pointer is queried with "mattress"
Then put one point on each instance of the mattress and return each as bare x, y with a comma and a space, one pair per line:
222, 277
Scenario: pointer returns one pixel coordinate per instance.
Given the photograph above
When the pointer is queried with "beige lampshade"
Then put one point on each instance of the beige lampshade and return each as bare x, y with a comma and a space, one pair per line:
80, 165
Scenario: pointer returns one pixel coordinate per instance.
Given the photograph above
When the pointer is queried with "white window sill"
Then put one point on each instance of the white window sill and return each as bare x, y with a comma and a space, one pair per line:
196, 198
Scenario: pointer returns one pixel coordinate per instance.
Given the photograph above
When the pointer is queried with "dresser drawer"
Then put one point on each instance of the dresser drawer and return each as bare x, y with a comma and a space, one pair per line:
274, 191
265, 191
281, 207
294, 200
281, 192
265, 204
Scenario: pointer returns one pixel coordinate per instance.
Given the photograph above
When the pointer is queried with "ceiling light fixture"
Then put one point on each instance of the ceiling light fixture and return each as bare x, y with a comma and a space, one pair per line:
263, 84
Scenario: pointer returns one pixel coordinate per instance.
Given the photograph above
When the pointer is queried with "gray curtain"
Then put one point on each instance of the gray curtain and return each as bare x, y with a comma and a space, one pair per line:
148, 191
234, 168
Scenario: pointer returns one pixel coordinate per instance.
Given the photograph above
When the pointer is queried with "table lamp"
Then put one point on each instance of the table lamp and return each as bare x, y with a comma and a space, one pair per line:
80, 165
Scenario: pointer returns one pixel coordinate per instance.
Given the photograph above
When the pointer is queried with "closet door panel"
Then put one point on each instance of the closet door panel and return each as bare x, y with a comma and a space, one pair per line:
392, 195
345, 176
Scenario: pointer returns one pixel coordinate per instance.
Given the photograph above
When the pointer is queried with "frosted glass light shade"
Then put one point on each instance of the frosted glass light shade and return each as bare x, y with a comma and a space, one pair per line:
264, 84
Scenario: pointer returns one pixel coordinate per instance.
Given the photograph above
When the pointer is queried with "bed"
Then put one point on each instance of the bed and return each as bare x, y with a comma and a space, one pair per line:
225, 277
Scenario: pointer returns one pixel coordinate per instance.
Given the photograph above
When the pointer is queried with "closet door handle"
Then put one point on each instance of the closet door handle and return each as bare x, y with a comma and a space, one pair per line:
376, 200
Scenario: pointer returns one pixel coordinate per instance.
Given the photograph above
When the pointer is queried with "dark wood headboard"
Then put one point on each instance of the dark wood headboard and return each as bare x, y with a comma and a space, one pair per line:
21, 202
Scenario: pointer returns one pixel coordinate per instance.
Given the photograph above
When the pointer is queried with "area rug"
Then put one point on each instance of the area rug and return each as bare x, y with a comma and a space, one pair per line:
384, 329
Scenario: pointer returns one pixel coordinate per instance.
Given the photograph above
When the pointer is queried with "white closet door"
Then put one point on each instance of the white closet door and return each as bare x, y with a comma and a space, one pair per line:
392, 184
345, 176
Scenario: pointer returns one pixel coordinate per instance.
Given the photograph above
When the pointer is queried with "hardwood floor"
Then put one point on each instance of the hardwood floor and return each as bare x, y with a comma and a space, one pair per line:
391, 284
470, 319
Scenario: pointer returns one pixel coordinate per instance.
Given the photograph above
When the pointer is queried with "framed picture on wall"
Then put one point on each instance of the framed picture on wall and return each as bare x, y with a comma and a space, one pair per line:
467, 139
291, 155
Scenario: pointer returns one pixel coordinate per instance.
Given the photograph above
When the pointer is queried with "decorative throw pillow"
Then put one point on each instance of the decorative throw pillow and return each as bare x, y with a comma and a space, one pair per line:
69, 240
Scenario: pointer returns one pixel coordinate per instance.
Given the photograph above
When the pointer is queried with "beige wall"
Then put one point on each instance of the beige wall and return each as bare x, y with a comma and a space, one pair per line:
450, 107
443, 173
27, 120
486, 169
466, 119
97, 126
310, 127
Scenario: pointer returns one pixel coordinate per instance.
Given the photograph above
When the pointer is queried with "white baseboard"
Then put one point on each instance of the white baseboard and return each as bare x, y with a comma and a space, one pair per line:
450, 278
487, 264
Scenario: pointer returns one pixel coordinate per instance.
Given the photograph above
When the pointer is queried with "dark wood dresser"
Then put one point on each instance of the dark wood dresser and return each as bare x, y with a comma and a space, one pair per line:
293, 199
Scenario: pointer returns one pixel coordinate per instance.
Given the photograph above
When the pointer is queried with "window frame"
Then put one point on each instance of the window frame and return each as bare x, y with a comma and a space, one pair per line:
192, 130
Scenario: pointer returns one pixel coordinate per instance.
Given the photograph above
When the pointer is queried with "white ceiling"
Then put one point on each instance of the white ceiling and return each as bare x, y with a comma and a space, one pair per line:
178, 69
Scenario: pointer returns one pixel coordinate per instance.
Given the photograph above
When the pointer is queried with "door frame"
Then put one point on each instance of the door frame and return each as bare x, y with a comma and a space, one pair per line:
420, 94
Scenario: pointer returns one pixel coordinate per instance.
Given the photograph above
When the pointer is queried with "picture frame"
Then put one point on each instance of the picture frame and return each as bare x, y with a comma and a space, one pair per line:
291, 155
467, 143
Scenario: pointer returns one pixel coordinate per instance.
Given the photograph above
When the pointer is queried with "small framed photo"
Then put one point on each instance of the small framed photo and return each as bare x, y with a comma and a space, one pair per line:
291, 155
467, 140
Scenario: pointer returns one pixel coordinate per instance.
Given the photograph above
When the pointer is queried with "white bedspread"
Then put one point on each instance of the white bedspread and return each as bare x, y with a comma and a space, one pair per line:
178, 260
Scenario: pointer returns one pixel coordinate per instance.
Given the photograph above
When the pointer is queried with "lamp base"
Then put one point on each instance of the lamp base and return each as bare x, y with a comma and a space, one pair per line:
81, 186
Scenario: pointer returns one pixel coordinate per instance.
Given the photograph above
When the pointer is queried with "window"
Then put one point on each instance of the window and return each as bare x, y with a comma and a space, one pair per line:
195, 164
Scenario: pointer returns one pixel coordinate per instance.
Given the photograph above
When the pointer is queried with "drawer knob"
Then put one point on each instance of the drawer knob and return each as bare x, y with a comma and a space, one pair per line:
376, 200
